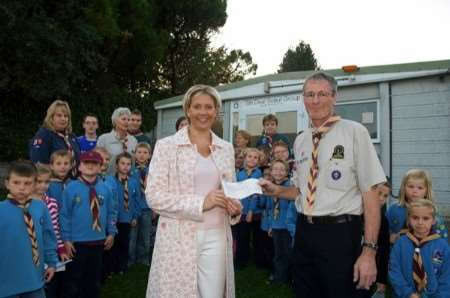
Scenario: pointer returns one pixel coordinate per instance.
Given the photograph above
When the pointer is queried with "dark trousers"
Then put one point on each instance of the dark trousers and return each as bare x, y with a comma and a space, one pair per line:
83, 274
257, 236
323, 259
268, 251
282, 244
242, 244
54, 288
121, 247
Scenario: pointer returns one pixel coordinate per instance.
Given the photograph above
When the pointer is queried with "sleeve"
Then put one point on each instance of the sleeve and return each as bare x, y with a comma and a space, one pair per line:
54, 213
50, 256
441, 229
159, 196
101, 141
232, 174
40, 147
291, 219
399, 284
368, 167
443, 290
111, 218
135, 198
65, 215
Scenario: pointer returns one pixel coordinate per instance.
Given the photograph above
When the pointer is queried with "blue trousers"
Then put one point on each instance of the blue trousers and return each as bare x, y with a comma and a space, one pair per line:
140, 240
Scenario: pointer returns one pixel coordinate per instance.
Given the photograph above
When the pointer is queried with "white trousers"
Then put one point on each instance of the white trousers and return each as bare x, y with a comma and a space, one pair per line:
211, 245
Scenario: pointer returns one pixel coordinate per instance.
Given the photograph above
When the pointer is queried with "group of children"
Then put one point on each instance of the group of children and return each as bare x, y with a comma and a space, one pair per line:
63, 236
413, 254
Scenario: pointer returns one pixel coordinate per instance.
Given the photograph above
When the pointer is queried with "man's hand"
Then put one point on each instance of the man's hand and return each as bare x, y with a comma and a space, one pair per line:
269, 188
365, 269
70, 249
49, 274
109, 242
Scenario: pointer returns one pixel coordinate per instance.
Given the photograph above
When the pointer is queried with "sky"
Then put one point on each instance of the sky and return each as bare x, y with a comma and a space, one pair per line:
340, 32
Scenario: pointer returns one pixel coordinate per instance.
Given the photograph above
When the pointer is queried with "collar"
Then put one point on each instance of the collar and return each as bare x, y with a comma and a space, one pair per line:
181, 138
116, 135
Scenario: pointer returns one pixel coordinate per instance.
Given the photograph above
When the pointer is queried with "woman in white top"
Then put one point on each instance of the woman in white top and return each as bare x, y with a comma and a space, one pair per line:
193, 254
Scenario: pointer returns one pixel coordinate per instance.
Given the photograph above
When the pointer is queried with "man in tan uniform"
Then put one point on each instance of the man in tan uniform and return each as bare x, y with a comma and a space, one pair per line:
336, 170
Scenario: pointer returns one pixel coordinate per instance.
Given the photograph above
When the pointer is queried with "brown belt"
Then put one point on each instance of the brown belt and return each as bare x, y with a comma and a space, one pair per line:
328, 219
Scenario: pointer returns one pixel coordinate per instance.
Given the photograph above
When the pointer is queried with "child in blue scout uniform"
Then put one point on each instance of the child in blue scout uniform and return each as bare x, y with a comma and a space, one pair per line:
282, 240
420, 260
60, 165
88, 141
415, 184
87, 219
270, 134
140, 236
128, 193
243, 228
28, 239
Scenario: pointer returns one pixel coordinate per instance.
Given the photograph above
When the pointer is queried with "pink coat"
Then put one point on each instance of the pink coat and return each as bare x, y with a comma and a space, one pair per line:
170, 193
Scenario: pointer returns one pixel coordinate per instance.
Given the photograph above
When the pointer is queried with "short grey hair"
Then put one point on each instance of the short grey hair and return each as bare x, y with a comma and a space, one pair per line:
320, 75
201, 89
119, 112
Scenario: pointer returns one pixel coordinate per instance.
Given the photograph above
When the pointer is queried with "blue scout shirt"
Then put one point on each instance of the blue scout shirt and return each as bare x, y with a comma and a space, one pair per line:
137, 174
85, 144
249, 203
56, 188
18, 273
266, 141
134, 194
397, 216
266, 219
279, 211
45, 142
291, 219
75, 215
436, 262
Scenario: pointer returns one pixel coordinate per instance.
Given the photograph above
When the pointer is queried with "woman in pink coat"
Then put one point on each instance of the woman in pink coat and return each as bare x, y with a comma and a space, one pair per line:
193, 255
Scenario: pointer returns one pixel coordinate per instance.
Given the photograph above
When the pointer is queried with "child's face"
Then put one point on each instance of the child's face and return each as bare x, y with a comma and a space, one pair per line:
239, 161
264, 158
251, 159
383, 193
20, 187
89, 168
415, 189
278, 172
61, 166
240, 141
280, 152
90, 125
135, 122
421, 220
270, 127
106, 159
42, 182
142, 155
124, 166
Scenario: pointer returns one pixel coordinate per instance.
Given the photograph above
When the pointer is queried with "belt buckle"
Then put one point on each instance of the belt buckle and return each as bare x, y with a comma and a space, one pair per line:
309, 219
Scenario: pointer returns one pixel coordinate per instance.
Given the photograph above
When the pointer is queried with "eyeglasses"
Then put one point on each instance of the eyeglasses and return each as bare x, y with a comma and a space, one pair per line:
320, 95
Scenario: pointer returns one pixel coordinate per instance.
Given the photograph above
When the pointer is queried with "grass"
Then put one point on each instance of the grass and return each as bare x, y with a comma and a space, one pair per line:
250, 283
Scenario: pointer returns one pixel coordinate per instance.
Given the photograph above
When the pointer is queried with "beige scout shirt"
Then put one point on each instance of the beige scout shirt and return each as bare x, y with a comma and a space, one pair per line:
348, 167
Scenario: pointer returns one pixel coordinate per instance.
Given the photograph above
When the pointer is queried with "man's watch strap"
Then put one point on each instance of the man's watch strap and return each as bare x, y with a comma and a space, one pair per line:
371, 245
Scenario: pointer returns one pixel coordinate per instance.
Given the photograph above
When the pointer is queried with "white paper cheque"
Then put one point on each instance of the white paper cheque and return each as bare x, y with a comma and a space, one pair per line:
241, 190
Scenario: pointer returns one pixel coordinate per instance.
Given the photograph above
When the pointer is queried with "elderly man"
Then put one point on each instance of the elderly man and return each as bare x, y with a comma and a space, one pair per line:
336, 170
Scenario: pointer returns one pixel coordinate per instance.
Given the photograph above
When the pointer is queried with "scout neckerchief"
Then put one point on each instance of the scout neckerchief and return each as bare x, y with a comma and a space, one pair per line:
314, 170
124, 142
29, 225
142, 176
94, 204
124, 182
419, 274
65, 136
276, 206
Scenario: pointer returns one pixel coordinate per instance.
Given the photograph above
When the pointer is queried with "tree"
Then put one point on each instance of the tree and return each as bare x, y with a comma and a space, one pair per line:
300, 58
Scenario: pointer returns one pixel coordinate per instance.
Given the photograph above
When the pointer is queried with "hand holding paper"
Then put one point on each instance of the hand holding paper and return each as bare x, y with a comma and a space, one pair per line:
241, 190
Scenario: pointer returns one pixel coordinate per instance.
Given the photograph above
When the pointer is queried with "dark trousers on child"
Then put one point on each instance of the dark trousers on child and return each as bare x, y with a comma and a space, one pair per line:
242, 244
83, 274
121, 247
281, 263
257, 236
323, 258
54, 288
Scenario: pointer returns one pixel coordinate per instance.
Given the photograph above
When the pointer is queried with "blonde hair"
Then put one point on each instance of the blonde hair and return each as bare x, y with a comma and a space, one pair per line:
422, 203
245, 134
144, 145
415, 174
60, 153
197, 90
43, 169
48, 121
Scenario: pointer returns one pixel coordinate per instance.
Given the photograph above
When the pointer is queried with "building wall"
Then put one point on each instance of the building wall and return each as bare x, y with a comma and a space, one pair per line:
421, 135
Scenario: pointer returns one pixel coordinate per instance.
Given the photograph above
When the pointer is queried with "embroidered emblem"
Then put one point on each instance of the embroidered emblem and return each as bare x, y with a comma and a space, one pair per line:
101, 200
77, 200
336, 175
338, 152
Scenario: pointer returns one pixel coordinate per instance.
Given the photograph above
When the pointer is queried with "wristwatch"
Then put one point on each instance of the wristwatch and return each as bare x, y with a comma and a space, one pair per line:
371, 245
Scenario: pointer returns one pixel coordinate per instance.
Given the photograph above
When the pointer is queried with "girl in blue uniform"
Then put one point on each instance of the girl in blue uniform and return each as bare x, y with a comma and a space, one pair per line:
420, 260
28, 239
415, 184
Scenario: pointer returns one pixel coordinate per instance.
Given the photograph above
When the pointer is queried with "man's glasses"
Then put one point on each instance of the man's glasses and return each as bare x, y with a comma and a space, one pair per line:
320, 95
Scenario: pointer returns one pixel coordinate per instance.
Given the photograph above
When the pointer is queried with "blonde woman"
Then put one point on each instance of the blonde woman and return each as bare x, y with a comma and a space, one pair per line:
55, 134
193, 254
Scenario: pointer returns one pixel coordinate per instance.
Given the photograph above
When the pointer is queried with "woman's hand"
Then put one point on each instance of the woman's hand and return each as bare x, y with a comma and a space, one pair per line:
234, 207
215, 198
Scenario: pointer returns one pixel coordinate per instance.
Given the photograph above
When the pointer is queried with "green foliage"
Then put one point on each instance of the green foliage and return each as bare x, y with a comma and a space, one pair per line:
300, 58
102, 54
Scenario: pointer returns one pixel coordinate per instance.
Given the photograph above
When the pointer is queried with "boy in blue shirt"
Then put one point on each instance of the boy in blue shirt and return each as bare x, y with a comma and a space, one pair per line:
28, 239
89, 140
60, 165
419, 263
87, 220
141, 235
128, 193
